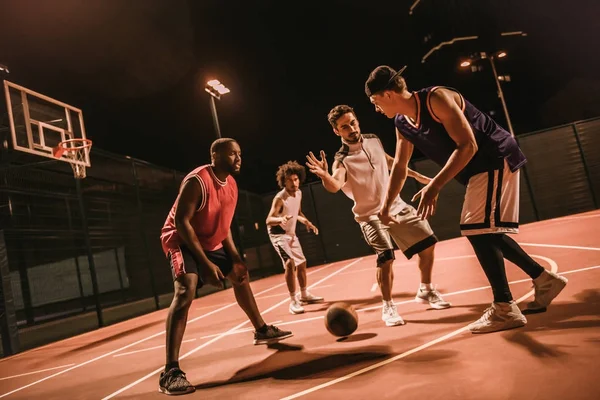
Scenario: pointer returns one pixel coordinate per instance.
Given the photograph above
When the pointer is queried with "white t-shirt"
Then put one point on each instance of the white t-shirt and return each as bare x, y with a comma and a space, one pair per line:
367, 177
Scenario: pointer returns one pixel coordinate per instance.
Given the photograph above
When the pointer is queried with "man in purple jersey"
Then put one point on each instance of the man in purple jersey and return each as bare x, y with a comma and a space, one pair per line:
470, 147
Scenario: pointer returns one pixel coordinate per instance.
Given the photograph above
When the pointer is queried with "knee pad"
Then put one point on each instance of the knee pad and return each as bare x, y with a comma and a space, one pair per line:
384, 256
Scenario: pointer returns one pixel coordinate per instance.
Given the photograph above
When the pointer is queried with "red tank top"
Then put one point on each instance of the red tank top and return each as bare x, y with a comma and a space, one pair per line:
212, 219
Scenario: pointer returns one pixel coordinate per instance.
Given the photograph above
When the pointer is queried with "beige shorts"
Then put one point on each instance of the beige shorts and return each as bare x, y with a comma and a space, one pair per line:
491, 203
412, 235
288, 247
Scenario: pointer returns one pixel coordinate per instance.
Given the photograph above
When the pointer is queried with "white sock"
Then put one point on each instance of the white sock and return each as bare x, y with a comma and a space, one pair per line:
426, 286
293, 296
388, 303
303, 292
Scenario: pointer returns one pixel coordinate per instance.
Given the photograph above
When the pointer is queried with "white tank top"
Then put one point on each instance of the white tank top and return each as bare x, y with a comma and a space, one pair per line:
367, 177
291, 206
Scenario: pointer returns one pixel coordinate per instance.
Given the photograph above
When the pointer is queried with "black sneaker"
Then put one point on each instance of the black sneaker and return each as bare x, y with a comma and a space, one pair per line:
174, 382
272, 335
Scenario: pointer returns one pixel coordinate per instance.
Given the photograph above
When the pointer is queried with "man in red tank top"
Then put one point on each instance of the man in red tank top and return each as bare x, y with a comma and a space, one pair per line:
196, 239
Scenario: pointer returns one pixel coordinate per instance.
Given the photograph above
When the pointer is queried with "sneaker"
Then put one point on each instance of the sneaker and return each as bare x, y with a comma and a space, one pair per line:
296, 307
547, 286
389, 314
272, 335
498, 317
310, 298
174, 382
431, 297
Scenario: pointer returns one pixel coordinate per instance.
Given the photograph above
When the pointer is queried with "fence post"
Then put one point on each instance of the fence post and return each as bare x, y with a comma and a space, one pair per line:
76, 258
8, 320
143, 231
585, 165
530, 188
314, 204
90, 255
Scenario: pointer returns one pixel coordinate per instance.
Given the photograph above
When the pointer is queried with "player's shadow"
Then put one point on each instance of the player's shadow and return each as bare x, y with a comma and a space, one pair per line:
292, 362
559, 317
356, 337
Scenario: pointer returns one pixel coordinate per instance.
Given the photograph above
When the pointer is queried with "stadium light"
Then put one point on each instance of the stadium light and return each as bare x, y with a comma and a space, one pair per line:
216, 89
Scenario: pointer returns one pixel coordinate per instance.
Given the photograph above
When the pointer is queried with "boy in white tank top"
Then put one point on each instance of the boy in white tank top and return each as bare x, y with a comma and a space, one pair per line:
285, 212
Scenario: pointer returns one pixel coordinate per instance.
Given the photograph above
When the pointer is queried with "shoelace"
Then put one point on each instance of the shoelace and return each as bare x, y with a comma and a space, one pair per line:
487, 314
389, 310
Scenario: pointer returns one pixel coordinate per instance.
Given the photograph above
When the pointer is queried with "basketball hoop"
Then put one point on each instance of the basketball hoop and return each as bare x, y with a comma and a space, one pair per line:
77, 154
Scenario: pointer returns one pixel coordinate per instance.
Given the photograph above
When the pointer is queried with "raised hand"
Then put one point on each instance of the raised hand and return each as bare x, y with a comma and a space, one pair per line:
316, 166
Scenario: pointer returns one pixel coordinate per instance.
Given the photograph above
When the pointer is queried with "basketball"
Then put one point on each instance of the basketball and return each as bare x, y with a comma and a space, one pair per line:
341, 319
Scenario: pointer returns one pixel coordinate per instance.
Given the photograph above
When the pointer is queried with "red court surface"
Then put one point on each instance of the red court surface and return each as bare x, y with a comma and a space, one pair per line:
555, 356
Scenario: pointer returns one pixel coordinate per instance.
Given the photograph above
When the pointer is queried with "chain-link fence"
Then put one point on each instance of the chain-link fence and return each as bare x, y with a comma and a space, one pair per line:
91, 248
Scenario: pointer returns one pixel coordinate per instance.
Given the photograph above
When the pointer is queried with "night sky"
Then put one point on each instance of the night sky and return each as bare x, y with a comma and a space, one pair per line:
137, 68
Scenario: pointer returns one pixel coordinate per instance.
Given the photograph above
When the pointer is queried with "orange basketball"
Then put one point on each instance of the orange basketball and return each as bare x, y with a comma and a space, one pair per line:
341, 319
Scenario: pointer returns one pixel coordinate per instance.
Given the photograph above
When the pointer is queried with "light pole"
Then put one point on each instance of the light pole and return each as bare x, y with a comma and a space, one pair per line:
216, 89
497, 79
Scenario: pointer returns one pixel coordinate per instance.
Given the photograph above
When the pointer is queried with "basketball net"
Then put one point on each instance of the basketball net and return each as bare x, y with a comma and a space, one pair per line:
76, 152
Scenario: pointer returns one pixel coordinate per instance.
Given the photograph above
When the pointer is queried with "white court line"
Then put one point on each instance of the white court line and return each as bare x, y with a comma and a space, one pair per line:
141, 340
190, 340
410, 263
578, 217
287, 294
579, 270
559, 246
242, 330
148, 348
35, 372
554, 268
297, 321
110, 396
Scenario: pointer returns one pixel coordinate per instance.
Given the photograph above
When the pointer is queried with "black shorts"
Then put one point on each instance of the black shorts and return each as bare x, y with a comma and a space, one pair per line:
182, 262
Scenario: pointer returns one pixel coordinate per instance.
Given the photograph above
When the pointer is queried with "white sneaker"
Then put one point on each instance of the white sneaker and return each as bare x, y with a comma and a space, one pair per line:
295, 307
389, 314
498, 317
547, 286
431, 297
310, 298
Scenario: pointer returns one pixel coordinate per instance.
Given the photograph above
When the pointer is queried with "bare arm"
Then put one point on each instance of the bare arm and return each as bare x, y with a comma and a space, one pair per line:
239, 273
334, 182
445, 107
190, 198
309, 225
411, 173
230, 248
302, 218
273, 218
451, 116
404, 150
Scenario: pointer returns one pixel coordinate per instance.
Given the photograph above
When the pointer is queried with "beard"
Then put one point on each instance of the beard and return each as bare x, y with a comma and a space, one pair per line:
353, 139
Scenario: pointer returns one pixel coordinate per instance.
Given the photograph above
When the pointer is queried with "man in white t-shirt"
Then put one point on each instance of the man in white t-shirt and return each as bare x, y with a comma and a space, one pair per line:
361, 171
285, 211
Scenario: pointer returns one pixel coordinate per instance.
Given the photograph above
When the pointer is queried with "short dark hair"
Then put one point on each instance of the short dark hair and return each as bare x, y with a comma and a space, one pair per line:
287, 169
220, 144
337, 112
384, 78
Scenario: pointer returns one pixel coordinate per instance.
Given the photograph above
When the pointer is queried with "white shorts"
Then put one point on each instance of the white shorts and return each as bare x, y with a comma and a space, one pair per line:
412, 235
288, 247
491, 203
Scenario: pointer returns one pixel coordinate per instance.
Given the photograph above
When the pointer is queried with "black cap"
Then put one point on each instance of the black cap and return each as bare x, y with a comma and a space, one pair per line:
381, 79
